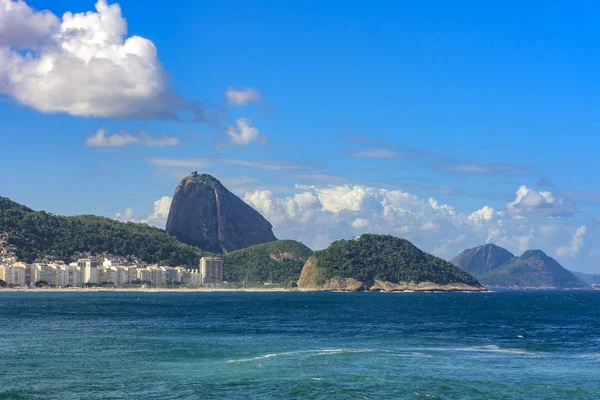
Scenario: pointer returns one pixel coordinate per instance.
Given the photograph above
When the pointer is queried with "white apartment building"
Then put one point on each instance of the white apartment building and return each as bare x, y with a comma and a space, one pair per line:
13, 274
90, 270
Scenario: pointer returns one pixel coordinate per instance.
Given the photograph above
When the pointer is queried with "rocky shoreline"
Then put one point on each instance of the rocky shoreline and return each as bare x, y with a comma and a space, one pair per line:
353, 285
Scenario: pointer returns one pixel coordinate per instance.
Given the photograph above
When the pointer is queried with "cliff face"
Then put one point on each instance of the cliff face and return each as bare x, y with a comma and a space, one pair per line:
381, 263
482, 260
205, 214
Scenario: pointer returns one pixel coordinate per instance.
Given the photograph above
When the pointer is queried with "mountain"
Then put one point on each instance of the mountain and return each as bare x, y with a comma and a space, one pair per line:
38, 233
381, 262
534, 269
591, 279
482, 260
278, 262
205, 214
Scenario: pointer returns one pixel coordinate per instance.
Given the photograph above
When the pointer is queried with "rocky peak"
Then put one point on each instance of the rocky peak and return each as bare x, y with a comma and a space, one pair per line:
534, 254
483, 259
205, 214
201, 179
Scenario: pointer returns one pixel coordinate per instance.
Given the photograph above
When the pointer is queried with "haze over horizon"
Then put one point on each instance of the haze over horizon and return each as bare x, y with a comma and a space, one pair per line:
449, 125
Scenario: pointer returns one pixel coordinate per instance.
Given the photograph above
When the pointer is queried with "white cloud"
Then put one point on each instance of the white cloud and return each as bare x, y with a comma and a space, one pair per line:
21, 26
158, 217
122, 139
126, 215
346, 210
317, 215
484, 214
100, 139
444, 208
241, 97
575, 245
83, 64
244, 133
529, 202
160, 213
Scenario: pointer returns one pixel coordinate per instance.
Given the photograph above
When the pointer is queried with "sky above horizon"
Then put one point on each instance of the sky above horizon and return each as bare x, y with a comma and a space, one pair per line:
452, 125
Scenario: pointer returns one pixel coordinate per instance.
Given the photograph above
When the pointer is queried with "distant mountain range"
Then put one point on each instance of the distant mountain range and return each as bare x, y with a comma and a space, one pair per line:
496, 267
592, 279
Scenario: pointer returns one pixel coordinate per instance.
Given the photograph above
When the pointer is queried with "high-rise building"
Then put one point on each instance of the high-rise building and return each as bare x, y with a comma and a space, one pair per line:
90, 270
211, 271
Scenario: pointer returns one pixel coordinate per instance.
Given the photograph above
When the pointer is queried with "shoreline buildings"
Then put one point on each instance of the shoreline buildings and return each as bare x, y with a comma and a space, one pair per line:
103, 270
211, 272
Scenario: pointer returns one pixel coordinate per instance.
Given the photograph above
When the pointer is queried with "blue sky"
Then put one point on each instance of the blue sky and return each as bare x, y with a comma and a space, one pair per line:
361, 117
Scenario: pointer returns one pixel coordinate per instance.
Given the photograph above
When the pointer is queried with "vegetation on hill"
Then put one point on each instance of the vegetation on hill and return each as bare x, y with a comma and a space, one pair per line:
384, 258
592, 279
279, 262
482, 260
534, 269
38, 233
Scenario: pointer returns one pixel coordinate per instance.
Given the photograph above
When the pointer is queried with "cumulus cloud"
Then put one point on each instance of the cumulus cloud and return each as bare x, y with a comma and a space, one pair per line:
484, 214
83, 64
23, 27
126, 215
318, 215
122, 139
530, 202
158, 217
575, 245
243, 133
160, 212
242, 97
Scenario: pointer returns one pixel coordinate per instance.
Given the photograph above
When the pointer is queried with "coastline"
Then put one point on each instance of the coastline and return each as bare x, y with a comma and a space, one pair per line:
427, 289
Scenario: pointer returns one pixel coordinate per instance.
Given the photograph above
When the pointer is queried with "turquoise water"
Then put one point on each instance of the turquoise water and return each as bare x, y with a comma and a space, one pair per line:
123, 345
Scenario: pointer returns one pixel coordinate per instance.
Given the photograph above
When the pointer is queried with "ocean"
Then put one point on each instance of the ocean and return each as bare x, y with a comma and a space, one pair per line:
198, 345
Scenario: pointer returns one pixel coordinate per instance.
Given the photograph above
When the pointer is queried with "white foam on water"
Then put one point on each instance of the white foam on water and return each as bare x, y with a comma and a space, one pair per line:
593, 355
309, 352
475, 349
493, 349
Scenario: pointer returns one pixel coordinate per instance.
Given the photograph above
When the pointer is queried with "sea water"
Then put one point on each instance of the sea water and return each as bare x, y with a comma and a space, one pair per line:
166, 345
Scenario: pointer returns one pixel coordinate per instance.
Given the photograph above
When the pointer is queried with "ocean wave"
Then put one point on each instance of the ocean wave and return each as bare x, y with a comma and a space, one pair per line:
494, 349
593, 355
319, 352
490, 348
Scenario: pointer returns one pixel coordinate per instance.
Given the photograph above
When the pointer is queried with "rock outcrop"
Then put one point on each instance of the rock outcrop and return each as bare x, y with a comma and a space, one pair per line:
205, 214
381, 263
482, 260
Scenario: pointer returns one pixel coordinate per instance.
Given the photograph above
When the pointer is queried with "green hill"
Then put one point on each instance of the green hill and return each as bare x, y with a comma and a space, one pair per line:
278, 262
534, 269
482, 260
38, 233
381, 262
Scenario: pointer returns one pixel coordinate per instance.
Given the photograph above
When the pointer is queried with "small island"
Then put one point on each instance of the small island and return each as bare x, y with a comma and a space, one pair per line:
381, 263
